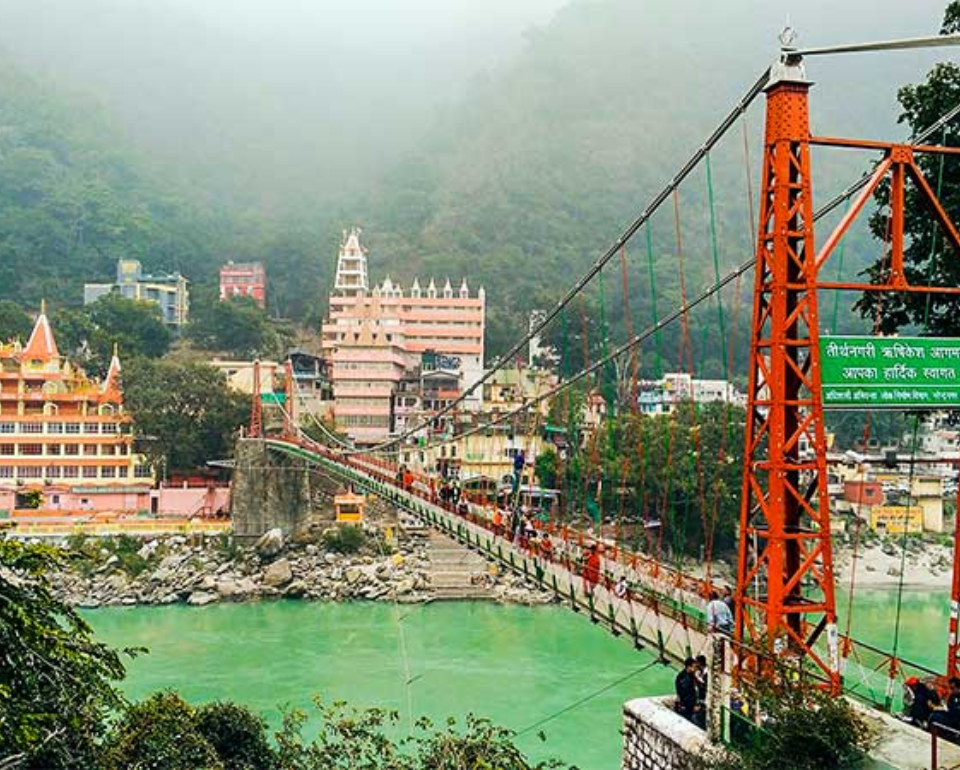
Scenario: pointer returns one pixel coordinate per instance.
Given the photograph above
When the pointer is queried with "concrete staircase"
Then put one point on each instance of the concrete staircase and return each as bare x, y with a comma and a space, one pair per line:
455, 571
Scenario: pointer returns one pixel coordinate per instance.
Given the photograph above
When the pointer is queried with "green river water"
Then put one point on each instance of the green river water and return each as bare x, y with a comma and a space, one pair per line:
516, 665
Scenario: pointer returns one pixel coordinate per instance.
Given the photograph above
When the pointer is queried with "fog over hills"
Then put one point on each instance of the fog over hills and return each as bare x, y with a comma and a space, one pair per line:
508, 141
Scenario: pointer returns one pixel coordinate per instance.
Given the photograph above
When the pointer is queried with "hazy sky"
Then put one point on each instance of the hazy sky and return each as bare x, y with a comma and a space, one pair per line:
323, 93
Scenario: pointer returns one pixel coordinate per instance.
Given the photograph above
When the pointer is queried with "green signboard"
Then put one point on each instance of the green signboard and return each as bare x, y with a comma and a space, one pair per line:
273, 398
893, 372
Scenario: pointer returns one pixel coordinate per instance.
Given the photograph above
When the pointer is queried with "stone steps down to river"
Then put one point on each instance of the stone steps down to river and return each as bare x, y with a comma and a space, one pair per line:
455, 572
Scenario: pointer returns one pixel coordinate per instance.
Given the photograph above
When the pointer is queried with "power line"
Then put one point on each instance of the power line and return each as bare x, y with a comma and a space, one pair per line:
586, 698
677, 313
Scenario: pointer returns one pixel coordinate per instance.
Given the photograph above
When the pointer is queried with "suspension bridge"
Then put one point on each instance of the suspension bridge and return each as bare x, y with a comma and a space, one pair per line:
785, 590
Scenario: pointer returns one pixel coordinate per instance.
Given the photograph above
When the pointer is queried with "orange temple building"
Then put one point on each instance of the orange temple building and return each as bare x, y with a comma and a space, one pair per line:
61, 432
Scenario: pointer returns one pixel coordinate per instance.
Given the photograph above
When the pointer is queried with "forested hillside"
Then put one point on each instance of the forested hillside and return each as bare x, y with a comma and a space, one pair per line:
75, 196
521, 182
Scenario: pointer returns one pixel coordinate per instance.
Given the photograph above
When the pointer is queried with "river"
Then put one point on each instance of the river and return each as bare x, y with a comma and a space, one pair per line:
516, 665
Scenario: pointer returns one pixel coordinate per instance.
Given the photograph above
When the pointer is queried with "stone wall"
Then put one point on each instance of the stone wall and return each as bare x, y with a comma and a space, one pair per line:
274, 490
655, 737
270, 490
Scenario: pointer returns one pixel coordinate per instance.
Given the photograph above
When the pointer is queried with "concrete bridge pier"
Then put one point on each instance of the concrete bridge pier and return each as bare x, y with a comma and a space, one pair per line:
270, 490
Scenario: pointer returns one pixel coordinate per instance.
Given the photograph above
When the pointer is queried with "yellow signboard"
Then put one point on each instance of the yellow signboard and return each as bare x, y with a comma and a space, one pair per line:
897, 519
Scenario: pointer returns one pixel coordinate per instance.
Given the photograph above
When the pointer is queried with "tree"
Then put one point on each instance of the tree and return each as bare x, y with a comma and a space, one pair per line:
14, 323
57, 682
236, 326
680, 470
352, 739
89, 334
184, 411
545, 468
928, 258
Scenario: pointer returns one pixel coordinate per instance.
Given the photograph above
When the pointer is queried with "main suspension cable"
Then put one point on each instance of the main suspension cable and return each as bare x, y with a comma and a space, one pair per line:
671, 317
535, 329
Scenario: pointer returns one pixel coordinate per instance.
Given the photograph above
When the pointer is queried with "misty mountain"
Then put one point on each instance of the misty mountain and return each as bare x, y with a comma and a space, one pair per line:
186, 134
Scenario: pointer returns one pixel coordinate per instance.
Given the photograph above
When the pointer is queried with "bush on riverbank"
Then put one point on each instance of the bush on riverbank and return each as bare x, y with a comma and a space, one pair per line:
344, 540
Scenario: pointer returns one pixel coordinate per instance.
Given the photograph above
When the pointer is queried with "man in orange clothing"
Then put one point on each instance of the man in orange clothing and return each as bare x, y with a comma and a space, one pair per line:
591, 569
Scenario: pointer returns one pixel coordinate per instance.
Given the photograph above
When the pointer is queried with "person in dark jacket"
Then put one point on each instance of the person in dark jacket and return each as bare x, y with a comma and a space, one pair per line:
920, 701
949, 718
686, 686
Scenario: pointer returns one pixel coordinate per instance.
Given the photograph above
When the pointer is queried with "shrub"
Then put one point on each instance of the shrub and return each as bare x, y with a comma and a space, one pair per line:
816, 730
56, 680
160, 733
346, 540
237, 735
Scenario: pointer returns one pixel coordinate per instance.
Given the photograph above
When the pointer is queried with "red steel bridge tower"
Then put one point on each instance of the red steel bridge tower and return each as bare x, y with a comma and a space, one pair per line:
785, 585
786, 603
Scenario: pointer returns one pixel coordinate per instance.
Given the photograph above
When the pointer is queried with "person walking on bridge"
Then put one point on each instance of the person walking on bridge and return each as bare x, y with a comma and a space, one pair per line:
686, 687
591, 569
719, 617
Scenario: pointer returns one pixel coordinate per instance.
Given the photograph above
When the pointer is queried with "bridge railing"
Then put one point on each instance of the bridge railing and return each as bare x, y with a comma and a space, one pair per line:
672, 598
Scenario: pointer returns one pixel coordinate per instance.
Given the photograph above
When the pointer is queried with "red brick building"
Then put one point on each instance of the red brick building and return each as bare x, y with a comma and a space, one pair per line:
244, 280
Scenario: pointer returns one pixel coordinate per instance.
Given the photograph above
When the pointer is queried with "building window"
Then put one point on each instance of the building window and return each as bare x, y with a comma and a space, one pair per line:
7, 427
70, 471
72, 427
54, 427
142, 472
53, 472
89, 471
30, 472
31, 450
108, 472
108, 450
7, 449
109, 428
53, 449
91, 427
90, 450
6, 471
31, 427
71, 449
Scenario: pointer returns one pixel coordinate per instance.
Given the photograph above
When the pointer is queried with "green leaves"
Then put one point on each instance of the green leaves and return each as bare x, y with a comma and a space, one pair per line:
237, 327
56, 681
89, 334
183, 410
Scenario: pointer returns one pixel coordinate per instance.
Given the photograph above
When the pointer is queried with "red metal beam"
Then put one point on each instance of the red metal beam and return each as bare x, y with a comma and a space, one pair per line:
859, 202
933, 203
867, 144
256, 405
906, 288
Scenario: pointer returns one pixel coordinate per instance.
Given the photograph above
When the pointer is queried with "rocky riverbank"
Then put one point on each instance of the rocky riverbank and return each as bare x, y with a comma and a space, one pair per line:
886, 563
174, 570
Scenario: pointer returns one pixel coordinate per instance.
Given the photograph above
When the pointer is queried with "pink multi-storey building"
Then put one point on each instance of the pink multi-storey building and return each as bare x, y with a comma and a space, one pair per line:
373, 336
